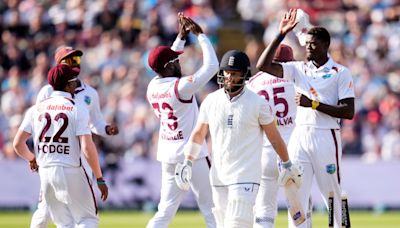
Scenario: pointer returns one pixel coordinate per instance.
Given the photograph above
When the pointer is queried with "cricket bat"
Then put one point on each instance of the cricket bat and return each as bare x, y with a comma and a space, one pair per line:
295, 209
345, 212
331, 210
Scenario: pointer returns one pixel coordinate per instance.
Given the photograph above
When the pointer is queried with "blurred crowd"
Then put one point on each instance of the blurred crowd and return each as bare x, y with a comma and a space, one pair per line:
116, 36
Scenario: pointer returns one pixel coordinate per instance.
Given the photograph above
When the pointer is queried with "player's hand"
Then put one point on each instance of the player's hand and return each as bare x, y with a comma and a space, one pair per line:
183, 174
101, 184
288, 22
302, 100
112, 129
191, 25
294, 172
183, 26
33, 166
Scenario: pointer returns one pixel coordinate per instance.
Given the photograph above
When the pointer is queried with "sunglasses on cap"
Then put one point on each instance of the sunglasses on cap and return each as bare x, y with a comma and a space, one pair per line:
171, 61
72, 60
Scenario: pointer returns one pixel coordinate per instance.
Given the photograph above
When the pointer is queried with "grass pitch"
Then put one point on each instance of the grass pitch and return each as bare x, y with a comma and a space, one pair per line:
193, 219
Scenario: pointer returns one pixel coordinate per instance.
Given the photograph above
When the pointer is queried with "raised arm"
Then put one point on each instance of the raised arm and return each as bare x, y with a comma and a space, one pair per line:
265, 63
191, 84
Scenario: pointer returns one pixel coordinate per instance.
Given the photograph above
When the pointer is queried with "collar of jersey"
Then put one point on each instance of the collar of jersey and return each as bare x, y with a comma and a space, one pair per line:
61, 94
327, 66
235, 97
80, 88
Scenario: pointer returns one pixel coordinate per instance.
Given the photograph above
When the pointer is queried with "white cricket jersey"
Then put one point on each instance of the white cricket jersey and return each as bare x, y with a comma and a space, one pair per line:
89, 97
236, 135
328, 84
55, 125
173, 102
280, 94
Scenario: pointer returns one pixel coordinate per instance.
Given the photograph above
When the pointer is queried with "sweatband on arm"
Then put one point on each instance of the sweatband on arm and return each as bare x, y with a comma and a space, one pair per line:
192, 149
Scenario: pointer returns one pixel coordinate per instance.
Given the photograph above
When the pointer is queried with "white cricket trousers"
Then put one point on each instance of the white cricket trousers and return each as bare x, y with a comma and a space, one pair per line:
172, 195
320, 153
234, 205
266, 207
41, 217
79, 209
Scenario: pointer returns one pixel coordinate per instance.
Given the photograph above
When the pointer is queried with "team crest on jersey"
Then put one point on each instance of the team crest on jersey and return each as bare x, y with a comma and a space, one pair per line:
87, 100
230, 121
326, 76
331, 168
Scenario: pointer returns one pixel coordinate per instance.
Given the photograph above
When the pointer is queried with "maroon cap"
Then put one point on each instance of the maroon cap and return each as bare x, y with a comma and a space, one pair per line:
65, 51
59, 76
284, 53
160, 55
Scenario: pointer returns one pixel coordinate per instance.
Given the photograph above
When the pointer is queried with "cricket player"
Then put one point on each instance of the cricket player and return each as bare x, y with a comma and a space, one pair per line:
237, 119
60, 129
89, 98
280, 94
325, 95
172, 98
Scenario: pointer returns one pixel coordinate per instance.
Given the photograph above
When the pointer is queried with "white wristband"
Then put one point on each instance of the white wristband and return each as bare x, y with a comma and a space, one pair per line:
192, 149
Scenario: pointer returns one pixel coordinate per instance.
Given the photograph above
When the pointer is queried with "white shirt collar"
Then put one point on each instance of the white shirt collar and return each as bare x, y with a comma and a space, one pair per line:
235, 97
61, 94
326, 67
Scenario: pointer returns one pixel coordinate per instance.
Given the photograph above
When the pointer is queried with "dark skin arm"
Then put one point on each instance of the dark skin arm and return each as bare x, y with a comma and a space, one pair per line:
265, 63
345, 109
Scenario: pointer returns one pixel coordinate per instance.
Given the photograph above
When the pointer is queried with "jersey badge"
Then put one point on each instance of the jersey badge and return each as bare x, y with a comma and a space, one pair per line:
87, 100
331, 168
326, 76
230, 121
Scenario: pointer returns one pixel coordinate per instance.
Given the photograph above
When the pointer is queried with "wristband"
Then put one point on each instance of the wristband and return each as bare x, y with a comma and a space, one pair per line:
192, 149
100, 180
280, 37
314, 104
287, 164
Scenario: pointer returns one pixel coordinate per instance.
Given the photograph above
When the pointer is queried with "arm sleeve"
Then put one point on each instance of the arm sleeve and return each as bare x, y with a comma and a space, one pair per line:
203, 113
82, 120
44, 93
97, 122
289, 71
266, 116
346, 86
191, 84
26, 124
178, 44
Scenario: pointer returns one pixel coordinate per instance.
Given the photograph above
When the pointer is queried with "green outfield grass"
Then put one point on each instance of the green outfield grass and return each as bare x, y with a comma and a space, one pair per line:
193, 219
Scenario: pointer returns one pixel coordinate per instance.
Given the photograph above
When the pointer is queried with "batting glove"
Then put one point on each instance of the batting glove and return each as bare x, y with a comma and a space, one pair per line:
289, 171
183, 174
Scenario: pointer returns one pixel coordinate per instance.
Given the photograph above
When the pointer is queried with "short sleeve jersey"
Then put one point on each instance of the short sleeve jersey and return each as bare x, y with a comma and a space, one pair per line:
89, 98
328, 84
174, 103
55, 125
177, 118
280, 94
236, 135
